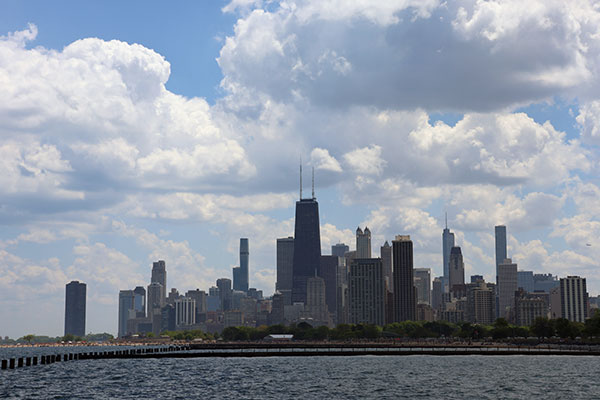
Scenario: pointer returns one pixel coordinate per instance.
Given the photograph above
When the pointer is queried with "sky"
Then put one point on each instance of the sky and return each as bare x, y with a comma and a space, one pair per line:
145, 130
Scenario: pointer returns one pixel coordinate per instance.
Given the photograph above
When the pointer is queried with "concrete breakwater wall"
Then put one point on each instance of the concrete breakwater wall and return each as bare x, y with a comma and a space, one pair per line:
294, 350
20, 362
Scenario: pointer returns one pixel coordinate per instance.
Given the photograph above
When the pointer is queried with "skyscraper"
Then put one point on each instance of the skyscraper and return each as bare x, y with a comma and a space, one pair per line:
285, 264
225, 293
328, 270
363, 243
366, 292
156, 299
386, 260
339, 249
240, 274
423, 285
75, 308
126, 310
501, 255
447, 244
437, 292
573, 298
507, 286
139, 301
307, 244
525, 281
457, 267
316, 304
159, 275
404, 289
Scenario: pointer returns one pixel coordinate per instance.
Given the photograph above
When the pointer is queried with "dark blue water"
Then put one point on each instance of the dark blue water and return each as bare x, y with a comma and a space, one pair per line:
391, 377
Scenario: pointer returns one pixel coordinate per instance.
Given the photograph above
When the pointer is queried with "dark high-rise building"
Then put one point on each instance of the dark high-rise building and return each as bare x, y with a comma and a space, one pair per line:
339, 249
437, 293
457, 267
240, 274
285, 264
328, 270
307, 246
139, 301
386, 259
447, 244
525, 281
545, 282
75, 308
500, 232
126, 310
404, 289
159, 275
225, 293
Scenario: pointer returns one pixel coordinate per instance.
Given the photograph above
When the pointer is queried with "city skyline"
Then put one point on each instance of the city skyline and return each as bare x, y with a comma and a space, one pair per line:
124, 144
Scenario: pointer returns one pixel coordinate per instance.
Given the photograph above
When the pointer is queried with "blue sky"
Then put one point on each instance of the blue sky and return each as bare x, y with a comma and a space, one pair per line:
139, 131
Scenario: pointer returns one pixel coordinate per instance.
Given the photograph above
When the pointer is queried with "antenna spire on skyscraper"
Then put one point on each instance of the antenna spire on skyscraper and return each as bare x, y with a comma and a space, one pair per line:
300, 178
313, 182
446, 220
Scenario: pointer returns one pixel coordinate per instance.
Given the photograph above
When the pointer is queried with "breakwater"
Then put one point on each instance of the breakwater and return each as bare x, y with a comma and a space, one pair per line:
297, 349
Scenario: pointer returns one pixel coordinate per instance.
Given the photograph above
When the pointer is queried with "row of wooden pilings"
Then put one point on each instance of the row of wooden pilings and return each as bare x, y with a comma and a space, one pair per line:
20, 362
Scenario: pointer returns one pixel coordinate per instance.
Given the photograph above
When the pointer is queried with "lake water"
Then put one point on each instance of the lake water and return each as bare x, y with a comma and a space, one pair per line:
362, 377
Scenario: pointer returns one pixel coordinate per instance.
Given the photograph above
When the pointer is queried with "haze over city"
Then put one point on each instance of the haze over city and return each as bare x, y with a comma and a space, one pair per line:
148, 131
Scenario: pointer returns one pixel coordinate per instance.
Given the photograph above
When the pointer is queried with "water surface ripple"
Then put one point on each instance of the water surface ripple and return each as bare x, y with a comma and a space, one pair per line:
362, 377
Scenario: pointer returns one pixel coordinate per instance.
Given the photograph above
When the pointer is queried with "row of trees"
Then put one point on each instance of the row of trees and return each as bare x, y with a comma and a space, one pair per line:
500, 329
41, 339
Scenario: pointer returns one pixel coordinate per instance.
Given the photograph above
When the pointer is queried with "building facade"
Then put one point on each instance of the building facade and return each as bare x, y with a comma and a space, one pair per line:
241, 273
507, 286
126, 310
422, 278
363, 243
404, 289
339, 249
456, 268
75, 299
307, 247
366, 292
159, 275
285, 264
447, 245
574, 298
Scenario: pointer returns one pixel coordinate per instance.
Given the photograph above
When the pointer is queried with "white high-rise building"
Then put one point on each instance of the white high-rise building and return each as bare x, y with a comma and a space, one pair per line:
363, 243
573, 298
366, 292
185, 311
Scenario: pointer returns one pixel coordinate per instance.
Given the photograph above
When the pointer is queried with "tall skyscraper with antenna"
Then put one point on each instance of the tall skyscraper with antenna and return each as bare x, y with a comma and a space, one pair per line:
241, 274
447, 245
307, 243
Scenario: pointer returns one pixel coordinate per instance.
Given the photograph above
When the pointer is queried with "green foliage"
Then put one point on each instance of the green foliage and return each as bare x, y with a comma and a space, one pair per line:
542, 328
98, 337
188, 335
592, 325
568, 329
70, 338
34, 339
